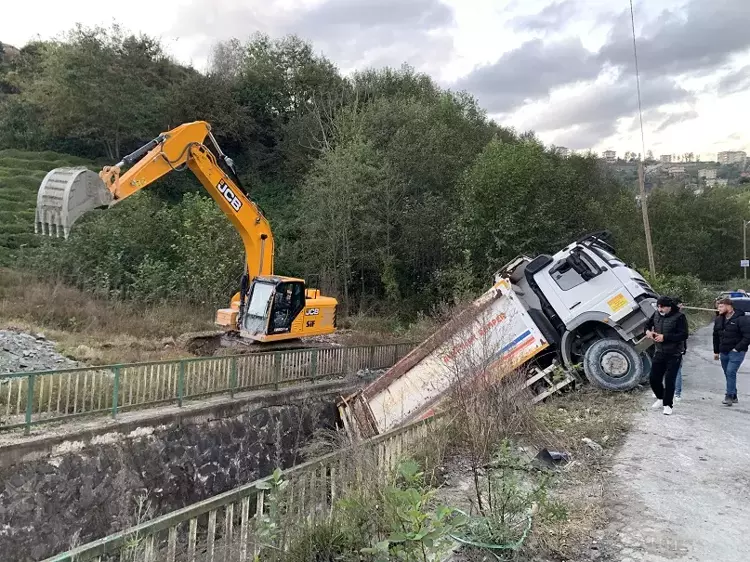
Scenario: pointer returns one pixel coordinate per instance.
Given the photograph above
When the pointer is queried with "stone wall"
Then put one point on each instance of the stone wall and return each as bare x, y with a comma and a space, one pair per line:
88, 490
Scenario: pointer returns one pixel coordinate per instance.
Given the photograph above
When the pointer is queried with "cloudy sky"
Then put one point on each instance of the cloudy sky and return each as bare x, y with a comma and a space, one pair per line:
563, 68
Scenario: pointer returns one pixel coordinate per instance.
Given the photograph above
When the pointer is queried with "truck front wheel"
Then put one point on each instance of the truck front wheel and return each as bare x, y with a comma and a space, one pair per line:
613, 364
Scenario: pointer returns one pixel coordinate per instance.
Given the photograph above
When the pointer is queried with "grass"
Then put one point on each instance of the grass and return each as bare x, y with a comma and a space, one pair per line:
605, 418
96, 330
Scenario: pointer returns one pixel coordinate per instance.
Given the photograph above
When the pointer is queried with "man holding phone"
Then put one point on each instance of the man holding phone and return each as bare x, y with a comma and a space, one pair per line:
668, 327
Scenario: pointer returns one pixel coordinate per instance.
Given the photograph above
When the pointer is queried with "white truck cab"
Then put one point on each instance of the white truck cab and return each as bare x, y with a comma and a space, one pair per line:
584, 295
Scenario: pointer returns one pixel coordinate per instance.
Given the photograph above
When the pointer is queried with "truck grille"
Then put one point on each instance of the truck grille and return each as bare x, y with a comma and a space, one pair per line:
645, 286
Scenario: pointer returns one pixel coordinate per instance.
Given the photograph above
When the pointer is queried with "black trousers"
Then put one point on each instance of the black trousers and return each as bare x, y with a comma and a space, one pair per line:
663, 376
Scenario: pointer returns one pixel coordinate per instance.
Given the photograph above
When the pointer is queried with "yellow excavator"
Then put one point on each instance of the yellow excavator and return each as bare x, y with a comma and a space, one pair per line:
267, 308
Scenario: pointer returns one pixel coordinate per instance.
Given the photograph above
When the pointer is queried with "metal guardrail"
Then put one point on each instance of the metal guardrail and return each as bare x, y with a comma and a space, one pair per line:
224, 527
32, 398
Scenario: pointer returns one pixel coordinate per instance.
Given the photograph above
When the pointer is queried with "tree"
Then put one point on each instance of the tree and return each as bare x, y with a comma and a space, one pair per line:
104, 88
520, 198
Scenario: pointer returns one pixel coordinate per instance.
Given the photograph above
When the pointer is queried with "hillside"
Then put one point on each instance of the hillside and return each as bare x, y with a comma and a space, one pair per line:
21, 173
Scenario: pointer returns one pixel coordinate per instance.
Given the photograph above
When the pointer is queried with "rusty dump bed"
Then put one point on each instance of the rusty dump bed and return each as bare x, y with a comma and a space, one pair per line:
494, 330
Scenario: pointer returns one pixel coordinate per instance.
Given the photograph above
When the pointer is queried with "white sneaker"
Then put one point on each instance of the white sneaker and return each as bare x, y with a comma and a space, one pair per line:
667, 411
677, 398
658, 404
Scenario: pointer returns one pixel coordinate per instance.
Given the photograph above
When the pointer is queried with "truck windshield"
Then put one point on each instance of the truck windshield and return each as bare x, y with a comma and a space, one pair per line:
259, 300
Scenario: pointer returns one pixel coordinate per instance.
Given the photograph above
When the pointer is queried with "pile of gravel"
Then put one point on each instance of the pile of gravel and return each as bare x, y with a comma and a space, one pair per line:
28, 352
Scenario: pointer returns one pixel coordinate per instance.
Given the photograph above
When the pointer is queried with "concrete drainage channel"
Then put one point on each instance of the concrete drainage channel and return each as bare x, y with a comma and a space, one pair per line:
86, 475
90, 484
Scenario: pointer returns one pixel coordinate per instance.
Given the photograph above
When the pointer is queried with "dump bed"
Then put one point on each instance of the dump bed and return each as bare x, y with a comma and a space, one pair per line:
494, 333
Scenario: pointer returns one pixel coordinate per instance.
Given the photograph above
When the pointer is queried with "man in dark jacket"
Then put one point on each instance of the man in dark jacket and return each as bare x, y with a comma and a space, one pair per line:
731, 340
668, 327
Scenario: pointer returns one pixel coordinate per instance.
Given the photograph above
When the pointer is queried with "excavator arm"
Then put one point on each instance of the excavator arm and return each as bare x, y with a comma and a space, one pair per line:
58, 208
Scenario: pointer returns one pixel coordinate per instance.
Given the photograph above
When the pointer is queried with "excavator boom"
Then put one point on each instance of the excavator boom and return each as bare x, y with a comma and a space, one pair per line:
66, 194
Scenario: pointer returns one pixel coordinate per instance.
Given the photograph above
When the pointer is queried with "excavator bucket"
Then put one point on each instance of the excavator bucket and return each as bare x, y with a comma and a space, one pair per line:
65, 195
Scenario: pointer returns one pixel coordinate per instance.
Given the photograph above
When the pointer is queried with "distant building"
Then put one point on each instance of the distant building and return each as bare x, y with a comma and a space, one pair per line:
708, 173
676, 170
610, 155
667, 158
720, 182
732, 157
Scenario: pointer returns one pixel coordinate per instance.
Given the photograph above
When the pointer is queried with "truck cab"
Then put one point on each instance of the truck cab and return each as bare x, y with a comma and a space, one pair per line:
584, 295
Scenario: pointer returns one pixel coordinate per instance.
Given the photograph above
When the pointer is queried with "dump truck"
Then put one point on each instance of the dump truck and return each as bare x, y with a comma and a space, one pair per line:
581, 309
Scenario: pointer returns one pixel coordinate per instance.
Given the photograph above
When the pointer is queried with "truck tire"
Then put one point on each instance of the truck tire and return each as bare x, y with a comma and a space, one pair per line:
613, 364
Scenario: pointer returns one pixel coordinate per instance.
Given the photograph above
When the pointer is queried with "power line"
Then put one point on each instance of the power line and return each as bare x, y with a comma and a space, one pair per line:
641, 173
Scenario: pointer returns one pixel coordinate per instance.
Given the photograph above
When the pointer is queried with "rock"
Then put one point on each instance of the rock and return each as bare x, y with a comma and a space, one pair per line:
593, 445
28, 352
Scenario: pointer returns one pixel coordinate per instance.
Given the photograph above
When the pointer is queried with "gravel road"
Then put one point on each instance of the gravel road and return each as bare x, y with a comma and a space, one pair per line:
682, 489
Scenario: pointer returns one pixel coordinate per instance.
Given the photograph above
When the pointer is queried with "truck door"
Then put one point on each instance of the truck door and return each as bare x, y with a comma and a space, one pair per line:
579, 283
288, 302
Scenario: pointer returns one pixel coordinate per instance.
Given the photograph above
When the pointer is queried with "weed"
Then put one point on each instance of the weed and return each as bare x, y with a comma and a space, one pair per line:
418, 530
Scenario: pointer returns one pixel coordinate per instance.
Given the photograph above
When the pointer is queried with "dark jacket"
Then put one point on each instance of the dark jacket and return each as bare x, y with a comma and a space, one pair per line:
732, 334
674, 328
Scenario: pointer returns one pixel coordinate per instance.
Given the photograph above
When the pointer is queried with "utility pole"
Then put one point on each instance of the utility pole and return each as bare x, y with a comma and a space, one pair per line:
744, 246
646, 224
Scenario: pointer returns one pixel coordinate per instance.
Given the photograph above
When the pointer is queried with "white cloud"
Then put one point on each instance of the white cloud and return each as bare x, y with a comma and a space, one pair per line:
561, 66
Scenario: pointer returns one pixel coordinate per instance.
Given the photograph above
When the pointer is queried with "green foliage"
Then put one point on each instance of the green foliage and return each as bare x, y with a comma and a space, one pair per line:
419, 530
21, 173
150, 251
513, 495
400, 195
522, 198
396, 520
268, 528
689, 288
699, 234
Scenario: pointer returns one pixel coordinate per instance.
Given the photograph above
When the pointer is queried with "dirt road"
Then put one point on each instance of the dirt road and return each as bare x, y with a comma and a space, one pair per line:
683, 481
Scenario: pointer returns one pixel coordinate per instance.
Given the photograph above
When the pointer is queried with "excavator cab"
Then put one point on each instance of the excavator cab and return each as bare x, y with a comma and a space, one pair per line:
279, 308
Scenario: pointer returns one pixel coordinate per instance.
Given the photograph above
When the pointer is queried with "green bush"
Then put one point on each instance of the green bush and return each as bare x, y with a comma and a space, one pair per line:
150, 251
689, 288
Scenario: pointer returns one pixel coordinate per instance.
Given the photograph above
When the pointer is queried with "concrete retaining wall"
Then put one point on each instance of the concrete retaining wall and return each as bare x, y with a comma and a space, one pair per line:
77, 489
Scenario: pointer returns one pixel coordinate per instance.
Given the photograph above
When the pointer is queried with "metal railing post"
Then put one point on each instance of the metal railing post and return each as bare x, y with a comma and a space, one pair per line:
116, 393
314, 365
29, 403
181, 384
233, 377
276, 370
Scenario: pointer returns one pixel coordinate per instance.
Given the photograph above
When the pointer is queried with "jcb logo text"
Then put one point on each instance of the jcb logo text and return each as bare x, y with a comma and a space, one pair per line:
229, 195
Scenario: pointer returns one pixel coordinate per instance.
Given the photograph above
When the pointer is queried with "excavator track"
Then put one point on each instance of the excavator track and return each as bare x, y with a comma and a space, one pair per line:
220, 342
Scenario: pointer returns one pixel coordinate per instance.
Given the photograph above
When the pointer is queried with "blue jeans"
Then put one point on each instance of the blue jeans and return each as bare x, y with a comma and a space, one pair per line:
678, 382
730, 364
